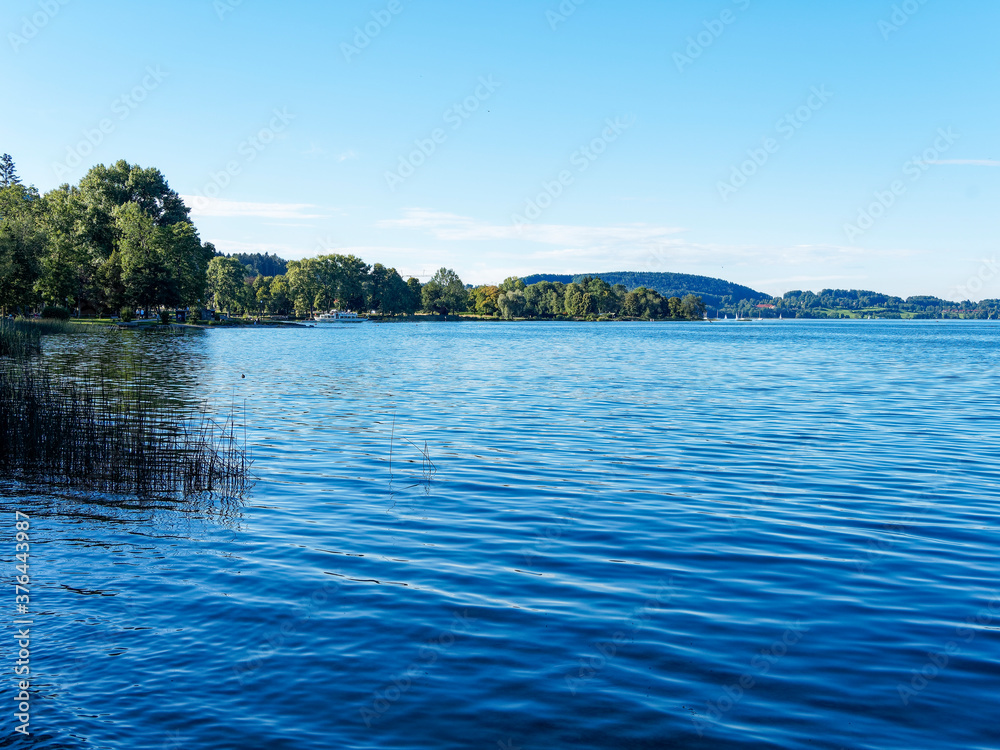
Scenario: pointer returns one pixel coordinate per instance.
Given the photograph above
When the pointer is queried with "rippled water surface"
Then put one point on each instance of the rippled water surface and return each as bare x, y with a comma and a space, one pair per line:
541, 536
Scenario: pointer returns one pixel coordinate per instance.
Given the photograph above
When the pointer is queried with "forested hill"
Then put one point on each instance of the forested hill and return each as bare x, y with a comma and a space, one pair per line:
712, 291
260, 264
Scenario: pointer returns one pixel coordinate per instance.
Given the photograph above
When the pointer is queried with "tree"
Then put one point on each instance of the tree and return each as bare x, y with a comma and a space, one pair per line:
578, 301
262, 291
511, 303
164, 262
22, 243
485, 300
143, 251
225, 282
397, 298
329, 281
258, 264
511, 284
602, 296
68, 269
444, 293
8, 174
350, 276
280, 302
534, 300
305, 286
692, 307
188, 259
105, 189
416, 296
388, 294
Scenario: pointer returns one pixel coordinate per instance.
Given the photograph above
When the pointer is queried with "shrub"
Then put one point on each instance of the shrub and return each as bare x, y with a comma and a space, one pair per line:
50, 312
164, 317
127, 314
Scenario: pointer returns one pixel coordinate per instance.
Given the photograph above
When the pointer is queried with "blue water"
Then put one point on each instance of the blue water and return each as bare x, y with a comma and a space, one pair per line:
766, 535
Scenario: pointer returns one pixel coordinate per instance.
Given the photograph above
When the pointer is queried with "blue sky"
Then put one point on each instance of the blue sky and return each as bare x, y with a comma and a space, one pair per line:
783, 145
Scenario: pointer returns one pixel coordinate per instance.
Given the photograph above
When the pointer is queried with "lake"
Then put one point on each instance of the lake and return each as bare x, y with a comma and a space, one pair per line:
540, 535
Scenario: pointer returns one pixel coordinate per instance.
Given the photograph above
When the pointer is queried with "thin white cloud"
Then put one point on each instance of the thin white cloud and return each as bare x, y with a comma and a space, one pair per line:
970, 162
447, 226
573, 249
218, 207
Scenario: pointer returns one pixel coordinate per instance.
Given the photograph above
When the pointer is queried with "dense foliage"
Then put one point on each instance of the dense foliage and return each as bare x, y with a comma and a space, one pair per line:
723, 298
120, 239
261, 264
843, 303
712, 291
322, 283
590, 297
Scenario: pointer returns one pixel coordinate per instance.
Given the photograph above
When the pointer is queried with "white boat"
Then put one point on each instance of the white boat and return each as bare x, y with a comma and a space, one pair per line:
338, 316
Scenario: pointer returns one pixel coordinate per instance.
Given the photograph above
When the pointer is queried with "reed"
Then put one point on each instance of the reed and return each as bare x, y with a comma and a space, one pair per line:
19, 339
113, 435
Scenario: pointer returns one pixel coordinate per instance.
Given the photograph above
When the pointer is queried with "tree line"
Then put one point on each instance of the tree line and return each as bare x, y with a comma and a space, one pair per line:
122, 240
711, 290
590, 297
345, 281
833, 303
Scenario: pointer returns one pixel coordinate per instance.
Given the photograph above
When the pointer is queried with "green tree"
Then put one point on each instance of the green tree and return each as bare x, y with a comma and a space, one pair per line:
188, 259
692, 307
601, 295
305, 285
350, 277
512, 283
8, 174
511, 303
416, 296
485, 300
226, 283
104, 189
388, 294
280, 302
262, 292
143, 246
68, 267
534, 300
445, 293
631, 305
172, 242
22, 243
578, 301
328, 281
